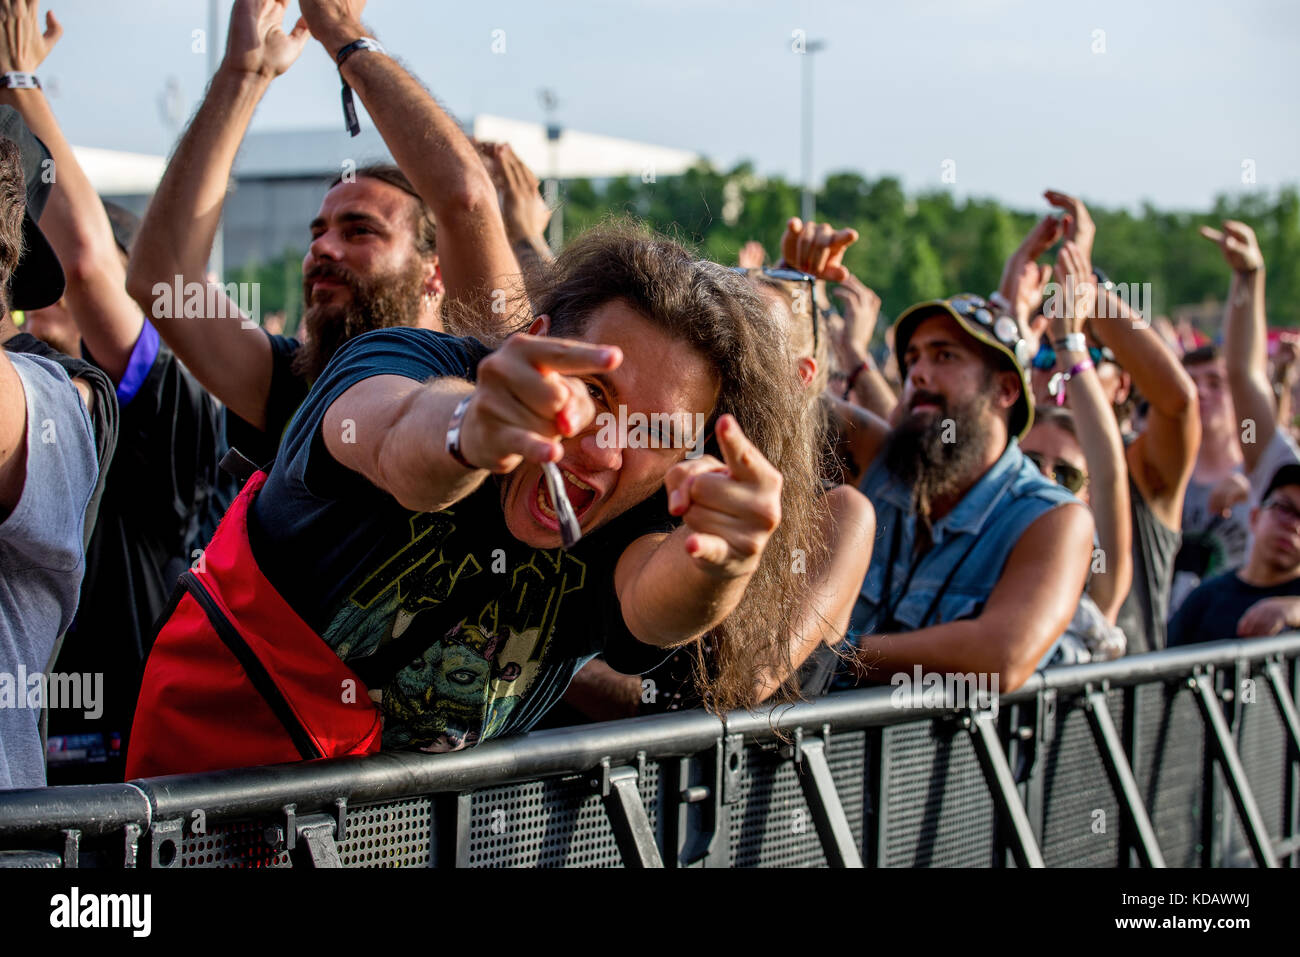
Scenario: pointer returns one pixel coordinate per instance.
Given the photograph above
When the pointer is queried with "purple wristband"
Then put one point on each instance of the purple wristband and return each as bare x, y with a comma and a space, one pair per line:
1063, 378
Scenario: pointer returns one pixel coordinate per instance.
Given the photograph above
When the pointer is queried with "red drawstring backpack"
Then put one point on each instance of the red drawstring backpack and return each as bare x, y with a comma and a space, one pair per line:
236, 678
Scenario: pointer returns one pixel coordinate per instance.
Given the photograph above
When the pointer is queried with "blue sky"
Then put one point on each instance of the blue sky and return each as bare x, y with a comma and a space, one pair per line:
1013, 92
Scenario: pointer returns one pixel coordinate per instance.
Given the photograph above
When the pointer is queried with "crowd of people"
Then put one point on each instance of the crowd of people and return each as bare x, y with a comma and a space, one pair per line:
485, 488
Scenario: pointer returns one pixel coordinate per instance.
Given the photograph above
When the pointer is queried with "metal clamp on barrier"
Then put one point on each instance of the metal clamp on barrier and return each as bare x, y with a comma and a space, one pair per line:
311, 840
627, 814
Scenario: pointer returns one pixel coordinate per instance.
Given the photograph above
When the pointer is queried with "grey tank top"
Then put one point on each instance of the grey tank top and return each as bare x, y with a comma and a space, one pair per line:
1145, 611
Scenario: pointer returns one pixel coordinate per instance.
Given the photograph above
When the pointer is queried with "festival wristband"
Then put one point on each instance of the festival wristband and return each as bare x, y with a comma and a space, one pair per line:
1056, 386
349, 107
453, 433
17, 80
1073, 342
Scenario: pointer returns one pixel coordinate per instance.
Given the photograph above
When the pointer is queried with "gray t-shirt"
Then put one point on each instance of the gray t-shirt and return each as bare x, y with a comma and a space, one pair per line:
42, 559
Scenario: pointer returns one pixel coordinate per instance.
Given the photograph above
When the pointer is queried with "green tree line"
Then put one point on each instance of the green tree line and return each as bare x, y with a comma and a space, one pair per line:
919, 247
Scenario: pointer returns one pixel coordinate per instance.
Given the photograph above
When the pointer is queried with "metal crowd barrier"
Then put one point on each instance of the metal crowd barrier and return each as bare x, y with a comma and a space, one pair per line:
1185, 757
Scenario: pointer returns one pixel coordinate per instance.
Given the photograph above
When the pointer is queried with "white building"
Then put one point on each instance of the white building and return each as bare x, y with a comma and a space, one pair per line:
281, 176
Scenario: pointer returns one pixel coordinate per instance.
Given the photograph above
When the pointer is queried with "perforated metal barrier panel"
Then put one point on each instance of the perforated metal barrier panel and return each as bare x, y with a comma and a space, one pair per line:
1082, 822
938, 812
1172, 769
551, 823
919, 794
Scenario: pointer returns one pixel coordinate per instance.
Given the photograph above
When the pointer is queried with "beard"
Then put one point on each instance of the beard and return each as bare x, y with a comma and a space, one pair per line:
378, 302
936, 458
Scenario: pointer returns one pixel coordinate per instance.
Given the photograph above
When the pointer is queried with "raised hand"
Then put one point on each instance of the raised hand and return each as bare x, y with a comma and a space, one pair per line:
524, 210
1077, 221
23, 46
1238, 244
1076, 301
817, 248
752, 255
527, 399
1023, 278
257, 42
860, 307
731, 507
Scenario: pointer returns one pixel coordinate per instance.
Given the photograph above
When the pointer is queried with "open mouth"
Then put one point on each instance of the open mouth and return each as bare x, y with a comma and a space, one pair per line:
581, 496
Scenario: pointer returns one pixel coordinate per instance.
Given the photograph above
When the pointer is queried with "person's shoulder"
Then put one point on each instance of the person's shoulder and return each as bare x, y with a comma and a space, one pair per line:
452, 354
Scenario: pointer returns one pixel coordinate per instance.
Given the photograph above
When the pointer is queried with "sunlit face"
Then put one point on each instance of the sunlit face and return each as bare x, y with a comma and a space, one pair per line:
365, 230
1055, 446
54, 326
1213, 396
659, 374
944, 369
1276, 527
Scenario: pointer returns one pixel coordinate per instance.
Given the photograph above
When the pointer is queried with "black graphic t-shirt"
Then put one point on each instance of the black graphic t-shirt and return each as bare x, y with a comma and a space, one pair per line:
464, 632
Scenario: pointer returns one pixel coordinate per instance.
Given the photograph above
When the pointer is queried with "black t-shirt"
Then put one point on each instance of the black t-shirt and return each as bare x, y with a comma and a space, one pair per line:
286, 394
162, 475
466, 632
1212, 611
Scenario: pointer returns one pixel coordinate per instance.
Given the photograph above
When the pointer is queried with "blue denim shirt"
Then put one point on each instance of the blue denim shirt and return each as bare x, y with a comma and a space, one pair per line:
971, 545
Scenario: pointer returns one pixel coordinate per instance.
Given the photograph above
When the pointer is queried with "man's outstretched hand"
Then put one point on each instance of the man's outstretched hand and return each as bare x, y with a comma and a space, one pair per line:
731, 507
23, 46
528, 398
817, 248
257, 42
1238, 244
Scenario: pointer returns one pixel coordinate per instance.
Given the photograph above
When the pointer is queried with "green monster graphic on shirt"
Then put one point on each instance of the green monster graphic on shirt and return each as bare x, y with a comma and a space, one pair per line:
460, 680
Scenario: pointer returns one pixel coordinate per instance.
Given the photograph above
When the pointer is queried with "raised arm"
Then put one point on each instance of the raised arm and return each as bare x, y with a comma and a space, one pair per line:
440, 161
1029, 608
1245, 335
231, 361
74, 220
860, 307
1162, 458
524, 210
673, 588
1098, 434
525, 402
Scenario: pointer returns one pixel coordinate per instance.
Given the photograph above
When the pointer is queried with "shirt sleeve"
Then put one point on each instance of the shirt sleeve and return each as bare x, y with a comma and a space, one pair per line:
282, 401
418, 354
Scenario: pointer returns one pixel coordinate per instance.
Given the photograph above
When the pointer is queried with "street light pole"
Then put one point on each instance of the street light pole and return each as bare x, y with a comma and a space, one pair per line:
807, 206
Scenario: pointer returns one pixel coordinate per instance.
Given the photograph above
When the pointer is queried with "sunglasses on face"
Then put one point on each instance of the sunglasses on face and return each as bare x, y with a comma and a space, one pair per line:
1284, 509
807, 306
1045, 360
1062, 473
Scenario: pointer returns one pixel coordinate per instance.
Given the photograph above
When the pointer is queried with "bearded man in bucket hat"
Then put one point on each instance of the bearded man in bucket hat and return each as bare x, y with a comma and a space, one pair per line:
979, 560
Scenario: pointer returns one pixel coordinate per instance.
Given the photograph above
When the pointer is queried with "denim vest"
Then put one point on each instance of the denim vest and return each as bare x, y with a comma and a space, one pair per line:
971, 545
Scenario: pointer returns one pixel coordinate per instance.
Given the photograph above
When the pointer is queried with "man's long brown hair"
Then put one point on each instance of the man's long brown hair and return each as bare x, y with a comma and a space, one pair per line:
725, 319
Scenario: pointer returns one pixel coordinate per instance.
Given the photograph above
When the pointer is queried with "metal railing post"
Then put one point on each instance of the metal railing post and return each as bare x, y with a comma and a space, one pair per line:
1122, 779
1225, 753
1002, 788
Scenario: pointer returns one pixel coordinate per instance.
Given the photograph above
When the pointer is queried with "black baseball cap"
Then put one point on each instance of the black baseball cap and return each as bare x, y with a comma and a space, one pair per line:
37, 281
1287, 475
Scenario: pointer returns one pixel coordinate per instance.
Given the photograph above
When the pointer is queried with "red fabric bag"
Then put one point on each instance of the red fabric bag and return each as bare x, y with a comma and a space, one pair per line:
236, 678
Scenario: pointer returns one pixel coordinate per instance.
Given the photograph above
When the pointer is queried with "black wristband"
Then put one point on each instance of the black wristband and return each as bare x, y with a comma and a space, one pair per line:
350, 120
